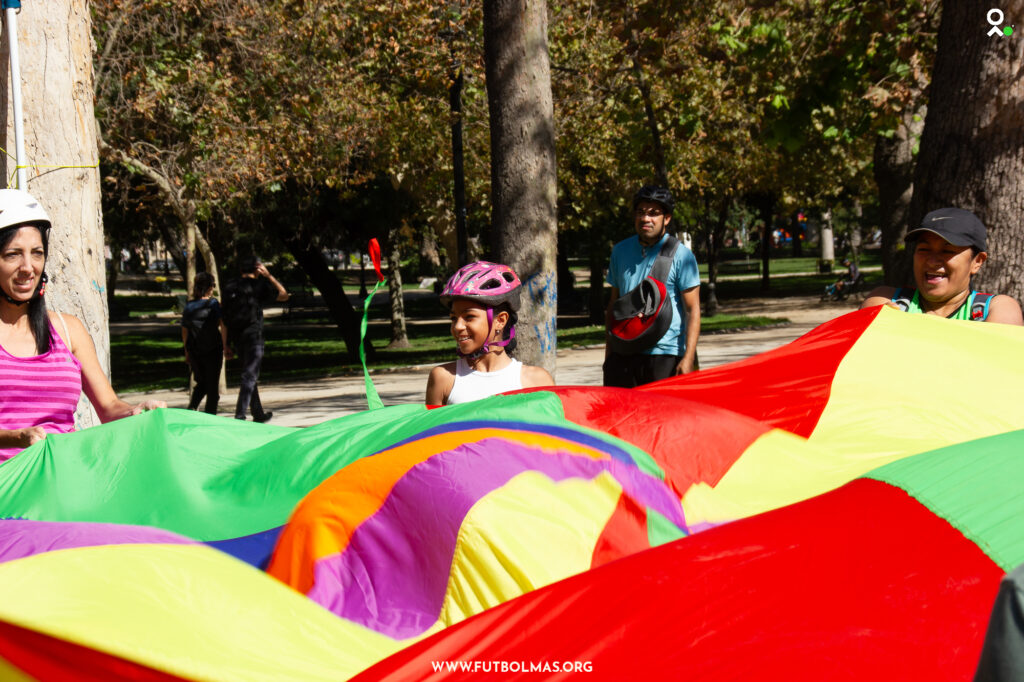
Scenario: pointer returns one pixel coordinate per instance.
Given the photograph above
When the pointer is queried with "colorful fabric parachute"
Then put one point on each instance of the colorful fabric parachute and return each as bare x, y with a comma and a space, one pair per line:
890, 577
840, 507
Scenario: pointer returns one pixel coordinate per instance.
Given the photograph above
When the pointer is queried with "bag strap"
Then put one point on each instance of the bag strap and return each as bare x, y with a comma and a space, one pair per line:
663, 263
67, 334
979, 307
903, 297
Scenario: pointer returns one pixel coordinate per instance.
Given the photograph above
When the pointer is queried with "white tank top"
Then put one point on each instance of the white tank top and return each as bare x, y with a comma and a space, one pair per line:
473, 385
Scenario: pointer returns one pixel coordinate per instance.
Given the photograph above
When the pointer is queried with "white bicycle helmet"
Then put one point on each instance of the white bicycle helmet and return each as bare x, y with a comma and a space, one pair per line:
18, 207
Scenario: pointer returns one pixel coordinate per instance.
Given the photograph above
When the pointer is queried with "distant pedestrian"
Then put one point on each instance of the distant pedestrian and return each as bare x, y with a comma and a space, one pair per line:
244, 298
204, 336
653, 318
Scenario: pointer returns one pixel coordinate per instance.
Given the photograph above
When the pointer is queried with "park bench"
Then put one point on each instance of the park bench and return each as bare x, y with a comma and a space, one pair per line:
739, 267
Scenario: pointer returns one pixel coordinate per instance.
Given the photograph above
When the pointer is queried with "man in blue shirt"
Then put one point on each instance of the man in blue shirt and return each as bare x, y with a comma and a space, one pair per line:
632, 259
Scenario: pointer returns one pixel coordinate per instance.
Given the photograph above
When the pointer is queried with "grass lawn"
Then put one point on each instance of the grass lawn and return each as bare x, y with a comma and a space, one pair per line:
799, 285
783, 266
308, 345
147, 361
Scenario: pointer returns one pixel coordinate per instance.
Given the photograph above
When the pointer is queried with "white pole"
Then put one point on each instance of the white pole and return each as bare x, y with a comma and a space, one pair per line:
19, 132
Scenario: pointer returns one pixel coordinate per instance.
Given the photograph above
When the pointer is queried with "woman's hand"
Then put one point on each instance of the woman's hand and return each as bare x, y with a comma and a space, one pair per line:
30, 435
146, 406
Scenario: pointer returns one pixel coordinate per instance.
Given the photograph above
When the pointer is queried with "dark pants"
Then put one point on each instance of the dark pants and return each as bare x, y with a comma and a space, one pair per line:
206, 371
630, 371
250, 353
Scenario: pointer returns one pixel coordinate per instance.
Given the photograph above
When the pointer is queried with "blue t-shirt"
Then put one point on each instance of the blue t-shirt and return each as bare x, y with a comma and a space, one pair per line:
632, 262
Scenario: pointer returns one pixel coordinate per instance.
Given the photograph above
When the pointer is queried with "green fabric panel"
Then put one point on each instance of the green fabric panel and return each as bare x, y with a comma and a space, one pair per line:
212, 478
660, 530
976, 487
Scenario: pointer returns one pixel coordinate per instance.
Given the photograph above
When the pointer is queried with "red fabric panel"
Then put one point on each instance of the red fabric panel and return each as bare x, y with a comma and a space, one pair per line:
692, 442
787, 387
862, 583
49, 658
624, 534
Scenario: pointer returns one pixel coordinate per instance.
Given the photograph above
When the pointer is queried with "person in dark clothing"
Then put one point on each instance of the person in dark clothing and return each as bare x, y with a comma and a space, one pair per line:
244, 298
853, 272
205, 338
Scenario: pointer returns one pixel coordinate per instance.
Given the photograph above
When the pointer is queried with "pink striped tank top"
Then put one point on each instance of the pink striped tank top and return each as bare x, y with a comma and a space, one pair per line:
40, 390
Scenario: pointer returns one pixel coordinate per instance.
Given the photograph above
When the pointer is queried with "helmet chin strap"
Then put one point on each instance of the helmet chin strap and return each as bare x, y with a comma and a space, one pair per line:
42, 283
488, 345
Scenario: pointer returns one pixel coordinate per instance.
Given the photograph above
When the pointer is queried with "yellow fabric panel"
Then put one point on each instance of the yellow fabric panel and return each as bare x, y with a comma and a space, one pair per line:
901, 390
189, 610
898, 392
778, 468
529, 533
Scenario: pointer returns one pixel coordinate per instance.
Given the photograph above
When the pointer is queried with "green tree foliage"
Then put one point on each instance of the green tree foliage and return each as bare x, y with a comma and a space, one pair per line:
779, 101
224, 100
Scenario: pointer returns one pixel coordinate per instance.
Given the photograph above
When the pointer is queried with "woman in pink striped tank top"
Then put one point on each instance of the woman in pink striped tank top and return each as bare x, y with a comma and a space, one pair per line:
46, 358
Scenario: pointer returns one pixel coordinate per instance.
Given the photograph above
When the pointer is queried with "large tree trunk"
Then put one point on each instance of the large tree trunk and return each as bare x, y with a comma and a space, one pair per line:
523, 180
972, 149
313, 263
399, 336
458, 163
55, 44
764, 204
715, 235
660, 167
599, 248
894, 175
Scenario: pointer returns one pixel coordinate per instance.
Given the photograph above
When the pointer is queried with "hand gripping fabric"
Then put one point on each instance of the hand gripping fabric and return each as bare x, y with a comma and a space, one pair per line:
641, 316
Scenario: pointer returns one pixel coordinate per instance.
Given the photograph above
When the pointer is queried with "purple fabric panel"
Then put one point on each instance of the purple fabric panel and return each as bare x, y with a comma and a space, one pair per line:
20, 538
394, 572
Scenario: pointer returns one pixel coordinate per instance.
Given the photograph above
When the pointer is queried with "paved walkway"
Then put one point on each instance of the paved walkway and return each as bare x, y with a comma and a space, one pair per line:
304, 403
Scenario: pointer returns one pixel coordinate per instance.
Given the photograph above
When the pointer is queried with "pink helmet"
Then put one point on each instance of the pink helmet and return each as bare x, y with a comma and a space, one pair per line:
489, 283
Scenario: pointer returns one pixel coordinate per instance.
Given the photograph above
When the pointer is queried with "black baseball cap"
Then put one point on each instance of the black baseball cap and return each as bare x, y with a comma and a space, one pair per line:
957, 226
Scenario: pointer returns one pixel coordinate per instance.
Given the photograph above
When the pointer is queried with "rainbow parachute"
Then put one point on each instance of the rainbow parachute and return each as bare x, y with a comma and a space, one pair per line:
843, 506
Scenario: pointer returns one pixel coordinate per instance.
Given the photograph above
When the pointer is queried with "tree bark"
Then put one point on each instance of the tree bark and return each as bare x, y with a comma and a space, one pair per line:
203, 247
715, 235
972, 148
399, 336
764, 204
55, 44
894, 175
599, 248
313, 263
794, 233
523, 179
660, 166
458, 163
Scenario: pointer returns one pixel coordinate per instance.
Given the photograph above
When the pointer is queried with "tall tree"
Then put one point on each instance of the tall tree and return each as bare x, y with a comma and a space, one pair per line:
60, 144
523, 174
972, 148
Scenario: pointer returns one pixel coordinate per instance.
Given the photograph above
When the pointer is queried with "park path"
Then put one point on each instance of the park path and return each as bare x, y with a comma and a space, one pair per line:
308, 402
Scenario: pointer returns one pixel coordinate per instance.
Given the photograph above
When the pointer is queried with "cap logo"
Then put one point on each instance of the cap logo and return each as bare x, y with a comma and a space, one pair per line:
945, 217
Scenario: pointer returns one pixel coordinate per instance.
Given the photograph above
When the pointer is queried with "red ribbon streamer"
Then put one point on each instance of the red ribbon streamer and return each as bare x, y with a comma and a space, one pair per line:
375, 256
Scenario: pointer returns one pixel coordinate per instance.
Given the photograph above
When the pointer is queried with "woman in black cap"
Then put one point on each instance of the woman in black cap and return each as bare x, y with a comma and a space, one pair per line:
948, 249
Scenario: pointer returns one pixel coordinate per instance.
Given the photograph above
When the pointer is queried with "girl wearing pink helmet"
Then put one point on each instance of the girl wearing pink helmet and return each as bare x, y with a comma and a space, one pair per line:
483, 299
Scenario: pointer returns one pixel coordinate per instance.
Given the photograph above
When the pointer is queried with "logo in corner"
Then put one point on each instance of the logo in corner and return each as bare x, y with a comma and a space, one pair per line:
995, 18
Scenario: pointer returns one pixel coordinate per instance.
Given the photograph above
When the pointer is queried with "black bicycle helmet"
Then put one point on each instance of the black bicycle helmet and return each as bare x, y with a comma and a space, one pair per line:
659, 195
